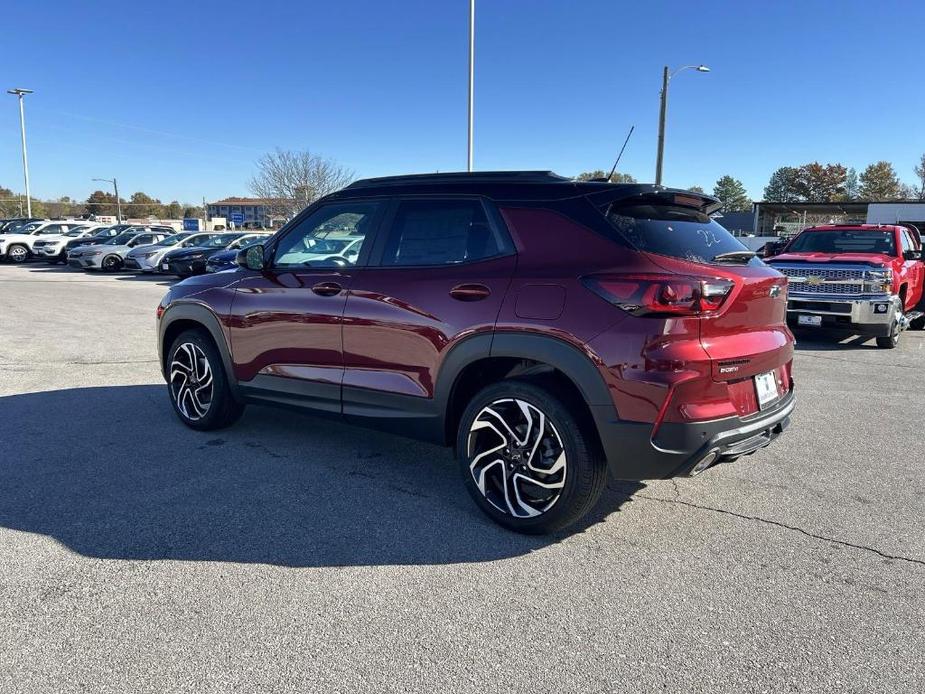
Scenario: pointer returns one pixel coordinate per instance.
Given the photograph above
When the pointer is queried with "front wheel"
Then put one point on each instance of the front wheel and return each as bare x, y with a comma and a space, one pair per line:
111, 263
17, 253
525, 459
891, 341
198, 385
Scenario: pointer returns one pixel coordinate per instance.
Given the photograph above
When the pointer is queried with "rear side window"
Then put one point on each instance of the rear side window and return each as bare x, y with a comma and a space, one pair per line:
440, 232
672, 230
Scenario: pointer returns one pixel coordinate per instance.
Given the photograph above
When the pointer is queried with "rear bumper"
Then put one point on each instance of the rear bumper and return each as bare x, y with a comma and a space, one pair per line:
676, 449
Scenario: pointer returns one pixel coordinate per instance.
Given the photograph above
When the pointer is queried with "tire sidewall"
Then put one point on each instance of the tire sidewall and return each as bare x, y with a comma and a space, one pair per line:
219, 380
579, 457
17, 247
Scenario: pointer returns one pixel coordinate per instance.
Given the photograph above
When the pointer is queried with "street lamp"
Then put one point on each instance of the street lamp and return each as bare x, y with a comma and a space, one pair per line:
118, 202
471, 76
22, 129
666, 78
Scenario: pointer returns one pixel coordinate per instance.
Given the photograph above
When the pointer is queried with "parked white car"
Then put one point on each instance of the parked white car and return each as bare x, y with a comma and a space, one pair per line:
53, 249
148, 258
18, 247
111, 254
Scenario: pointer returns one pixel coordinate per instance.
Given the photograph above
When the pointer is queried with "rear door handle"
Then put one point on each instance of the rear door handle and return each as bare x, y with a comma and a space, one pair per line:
470, 292
327, 289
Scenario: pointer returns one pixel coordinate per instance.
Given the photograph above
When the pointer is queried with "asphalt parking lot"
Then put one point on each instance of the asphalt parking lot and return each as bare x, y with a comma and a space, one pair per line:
292, 554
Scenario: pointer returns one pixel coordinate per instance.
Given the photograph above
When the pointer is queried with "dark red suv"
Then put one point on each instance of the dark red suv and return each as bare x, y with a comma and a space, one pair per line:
546, 328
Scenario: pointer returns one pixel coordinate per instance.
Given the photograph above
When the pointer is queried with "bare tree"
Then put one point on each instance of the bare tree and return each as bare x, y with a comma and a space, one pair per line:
290, 181
920, 174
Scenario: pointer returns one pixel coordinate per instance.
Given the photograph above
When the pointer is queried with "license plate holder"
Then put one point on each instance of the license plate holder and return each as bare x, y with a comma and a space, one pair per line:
766, 389
804, 319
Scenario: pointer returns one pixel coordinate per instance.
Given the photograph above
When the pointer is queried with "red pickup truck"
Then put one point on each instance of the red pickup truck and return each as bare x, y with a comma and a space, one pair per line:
865, 279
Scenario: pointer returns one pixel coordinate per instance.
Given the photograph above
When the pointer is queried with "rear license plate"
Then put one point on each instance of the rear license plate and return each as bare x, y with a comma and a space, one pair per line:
803, 319
766, 386
165, 266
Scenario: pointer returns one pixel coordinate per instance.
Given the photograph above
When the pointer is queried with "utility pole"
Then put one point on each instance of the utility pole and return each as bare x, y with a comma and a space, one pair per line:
22, 130
471, 76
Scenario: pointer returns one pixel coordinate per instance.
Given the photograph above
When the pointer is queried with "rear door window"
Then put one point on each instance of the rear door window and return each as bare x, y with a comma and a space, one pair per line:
441, 232
675, 231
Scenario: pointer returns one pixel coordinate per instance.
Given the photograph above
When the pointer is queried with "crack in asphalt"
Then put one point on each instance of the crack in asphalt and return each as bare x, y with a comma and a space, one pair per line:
793, 528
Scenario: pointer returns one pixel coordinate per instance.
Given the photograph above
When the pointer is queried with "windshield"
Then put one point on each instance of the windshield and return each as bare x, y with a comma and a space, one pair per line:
26, 228
219, 241
844, 241
171, 240
675, 231
247, 242
122, 239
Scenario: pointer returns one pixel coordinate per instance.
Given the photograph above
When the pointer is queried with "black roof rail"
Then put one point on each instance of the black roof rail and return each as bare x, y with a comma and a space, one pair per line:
462, 177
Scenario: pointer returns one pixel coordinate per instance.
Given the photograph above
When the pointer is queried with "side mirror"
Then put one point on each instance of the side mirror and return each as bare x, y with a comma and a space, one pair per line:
251, 257
912, 255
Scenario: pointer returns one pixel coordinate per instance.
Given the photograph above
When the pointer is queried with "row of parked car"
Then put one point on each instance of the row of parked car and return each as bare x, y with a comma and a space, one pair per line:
87, 245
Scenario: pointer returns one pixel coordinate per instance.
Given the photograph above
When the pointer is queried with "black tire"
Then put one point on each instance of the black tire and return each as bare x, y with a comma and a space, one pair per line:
221, 410
891, 341
918, 323
17, 253
111, 263
583, 472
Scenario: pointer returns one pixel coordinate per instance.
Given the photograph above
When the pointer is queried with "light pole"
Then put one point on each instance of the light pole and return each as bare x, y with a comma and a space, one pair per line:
118, 202
471, 76
22, 129
663, 110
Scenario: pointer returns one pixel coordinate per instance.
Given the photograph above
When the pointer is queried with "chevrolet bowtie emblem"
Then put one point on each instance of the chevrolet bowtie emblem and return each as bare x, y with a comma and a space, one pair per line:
814, 281
775, 290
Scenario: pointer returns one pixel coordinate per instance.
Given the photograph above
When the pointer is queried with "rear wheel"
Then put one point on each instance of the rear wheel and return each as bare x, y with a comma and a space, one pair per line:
17, 253
526, 460
198, 385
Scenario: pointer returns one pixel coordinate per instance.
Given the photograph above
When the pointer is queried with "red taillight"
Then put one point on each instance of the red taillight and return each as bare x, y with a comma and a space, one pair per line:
674, 295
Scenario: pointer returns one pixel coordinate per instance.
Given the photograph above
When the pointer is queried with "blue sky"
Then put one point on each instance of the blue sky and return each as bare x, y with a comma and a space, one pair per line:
179, 98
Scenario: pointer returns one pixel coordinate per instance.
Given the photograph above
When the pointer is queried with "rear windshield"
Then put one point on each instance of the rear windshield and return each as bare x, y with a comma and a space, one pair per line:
679, 232
845, 241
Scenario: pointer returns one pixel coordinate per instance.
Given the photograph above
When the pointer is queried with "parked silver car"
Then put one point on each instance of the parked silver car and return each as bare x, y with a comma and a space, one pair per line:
148, 258
111, 254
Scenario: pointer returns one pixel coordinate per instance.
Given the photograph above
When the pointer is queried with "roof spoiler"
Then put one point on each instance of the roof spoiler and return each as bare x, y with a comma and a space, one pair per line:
640, 194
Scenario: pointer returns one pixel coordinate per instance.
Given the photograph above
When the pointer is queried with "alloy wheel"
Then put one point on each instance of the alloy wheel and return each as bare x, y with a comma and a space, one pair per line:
191, 381
17, 254
516, 458
110, 262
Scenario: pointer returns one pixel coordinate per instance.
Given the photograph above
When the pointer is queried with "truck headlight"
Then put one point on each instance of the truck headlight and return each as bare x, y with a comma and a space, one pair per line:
879, 281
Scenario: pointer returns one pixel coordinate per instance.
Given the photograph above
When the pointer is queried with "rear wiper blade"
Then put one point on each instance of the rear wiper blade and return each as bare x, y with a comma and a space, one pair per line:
735, 255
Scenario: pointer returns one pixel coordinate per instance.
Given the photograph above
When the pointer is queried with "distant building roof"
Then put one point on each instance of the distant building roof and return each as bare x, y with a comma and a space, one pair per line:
242, 201
737, 221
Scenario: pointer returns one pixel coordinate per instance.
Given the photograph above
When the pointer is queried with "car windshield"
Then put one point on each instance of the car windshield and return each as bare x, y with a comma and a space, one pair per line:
676, 231
324, 246
171, 240
246, 242
219, 241
26, 228
845, 241
122, 238
77, 231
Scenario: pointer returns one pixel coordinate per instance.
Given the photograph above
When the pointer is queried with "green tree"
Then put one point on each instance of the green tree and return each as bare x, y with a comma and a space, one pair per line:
821, 183
696, 189
783, 185
9, 203
880, 182
193, 211
101, 202
852, 187
173, 210
732, 194
616, 178
142, 206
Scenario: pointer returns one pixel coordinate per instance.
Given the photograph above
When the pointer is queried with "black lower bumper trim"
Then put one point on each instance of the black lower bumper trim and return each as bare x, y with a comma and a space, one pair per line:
676, 449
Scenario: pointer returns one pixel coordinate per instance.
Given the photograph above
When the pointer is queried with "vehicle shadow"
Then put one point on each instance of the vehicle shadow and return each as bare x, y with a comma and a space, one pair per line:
817, 342
164, 280
118, 477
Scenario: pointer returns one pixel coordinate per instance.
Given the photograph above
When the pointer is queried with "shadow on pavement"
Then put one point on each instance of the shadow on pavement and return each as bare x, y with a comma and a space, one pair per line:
832, 342
110, 473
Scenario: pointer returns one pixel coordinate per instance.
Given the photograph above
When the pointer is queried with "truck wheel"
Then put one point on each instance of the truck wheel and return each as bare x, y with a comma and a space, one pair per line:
918, 323
892, 340
525, 459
